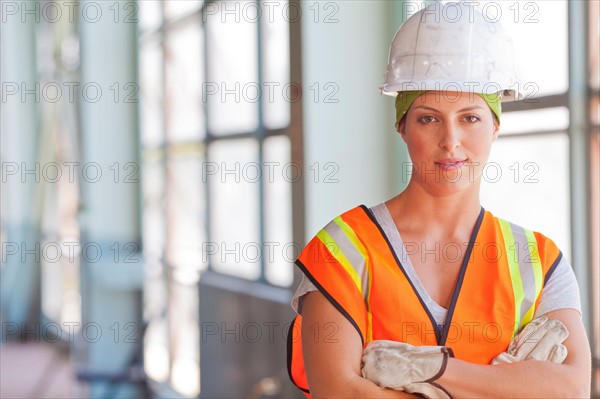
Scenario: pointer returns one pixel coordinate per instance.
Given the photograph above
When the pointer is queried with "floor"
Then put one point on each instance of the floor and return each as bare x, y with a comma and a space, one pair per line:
37, 370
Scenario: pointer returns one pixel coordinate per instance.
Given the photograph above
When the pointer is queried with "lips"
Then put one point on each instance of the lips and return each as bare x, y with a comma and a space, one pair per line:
451, 163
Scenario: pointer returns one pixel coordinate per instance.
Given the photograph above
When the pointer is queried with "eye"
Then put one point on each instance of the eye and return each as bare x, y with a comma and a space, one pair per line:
426, 119
472, 118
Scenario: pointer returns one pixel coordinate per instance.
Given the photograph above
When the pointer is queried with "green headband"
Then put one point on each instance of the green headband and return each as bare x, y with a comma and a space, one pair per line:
404, 100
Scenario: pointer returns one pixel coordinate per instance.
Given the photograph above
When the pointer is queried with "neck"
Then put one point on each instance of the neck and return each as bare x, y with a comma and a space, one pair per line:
419, 211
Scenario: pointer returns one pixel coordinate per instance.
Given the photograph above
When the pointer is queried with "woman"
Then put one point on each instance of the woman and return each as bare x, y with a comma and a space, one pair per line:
430, 268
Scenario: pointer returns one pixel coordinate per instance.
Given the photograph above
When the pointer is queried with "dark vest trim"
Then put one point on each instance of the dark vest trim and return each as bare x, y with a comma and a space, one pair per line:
553, 268
431, 318
334, 303
461, 277
290, 337
330, 299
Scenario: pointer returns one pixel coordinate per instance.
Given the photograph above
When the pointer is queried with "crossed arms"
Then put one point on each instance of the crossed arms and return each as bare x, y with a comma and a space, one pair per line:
333, 366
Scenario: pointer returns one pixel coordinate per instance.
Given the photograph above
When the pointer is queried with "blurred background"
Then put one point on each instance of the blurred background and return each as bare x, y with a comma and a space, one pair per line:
164, 162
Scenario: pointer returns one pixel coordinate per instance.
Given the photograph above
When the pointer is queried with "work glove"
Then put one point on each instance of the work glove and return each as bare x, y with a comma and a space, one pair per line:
541, 339
404, 367
428, 390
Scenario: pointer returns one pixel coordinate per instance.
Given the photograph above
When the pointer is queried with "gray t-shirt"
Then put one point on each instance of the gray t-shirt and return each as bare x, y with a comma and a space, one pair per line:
560, 292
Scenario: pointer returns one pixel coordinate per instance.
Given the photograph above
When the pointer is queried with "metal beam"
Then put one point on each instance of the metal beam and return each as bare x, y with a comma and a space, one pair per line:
579, 155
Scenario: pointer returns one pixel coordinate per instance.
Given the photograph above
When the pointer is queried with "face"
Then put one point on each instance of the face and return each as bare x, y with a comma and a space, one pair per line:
449, 137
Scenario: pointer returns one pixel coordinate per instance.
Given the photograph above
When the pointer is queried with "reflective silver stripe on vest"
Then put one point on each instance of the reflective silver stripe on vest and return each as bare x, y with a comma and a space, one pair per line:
526, 265
525, 270
355, 258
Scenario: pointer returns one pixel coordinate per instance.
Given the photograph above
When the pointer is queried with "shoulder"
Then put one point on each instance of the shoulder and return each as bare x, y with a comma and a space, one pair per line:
538, 245
359, 212
354, 217
338, 226
342, 236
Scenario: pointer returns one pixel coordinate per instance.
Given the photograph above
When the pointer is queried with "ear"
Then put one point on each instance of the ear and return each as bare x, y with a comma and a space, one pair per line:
401, 128
496, 131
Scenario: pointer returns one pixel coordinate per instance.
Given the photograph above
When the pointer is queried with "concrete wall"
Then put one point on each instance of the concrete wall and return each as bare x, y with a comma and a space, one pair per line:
352, 153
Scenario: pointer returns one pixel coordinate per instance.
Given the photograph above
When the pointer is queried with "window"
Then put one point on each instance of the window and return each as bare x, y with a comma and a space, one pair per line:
531, 158
215, 112
544, 140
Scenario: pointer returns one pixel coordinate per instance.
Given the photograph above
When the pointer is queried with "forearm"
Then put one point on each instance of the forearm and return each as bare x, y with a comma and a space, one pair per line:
333, 366
355, 387
529, 379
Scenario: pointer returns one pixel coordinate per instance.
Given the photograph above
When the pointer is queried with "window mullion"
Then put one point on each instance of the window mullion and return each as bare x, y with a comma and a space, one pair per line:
260, 136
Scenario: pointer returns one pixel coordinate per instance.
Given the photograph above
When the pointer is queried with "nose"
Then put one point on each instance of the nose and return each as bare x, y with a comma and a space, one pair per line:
449, 136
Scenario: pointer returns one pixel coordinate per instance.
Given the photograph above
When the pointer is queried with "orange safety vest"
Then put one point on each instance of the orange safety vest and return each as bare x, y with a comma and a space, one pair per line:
501, 278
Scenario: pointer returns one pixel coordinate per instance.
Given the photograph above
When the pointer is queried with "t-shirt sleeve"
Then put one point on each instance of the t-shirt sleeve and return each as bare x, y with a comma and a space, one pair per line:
304, 288
561, 290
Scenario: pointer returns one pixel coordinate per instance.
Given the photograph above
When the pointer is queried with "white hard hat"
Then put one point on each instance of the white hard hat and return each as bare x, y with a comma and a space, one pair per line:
455, 47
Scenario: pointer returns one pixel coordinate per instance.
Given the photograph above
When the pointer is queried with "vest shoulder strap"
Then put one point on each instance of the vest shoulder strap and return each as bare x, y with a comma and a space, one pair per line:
529, 256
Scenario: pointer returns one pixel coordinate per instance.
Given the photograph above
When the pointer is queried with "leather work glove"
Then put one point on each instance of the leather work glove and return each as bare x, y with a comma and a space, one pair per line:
541, 339
404, 367
428, 390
